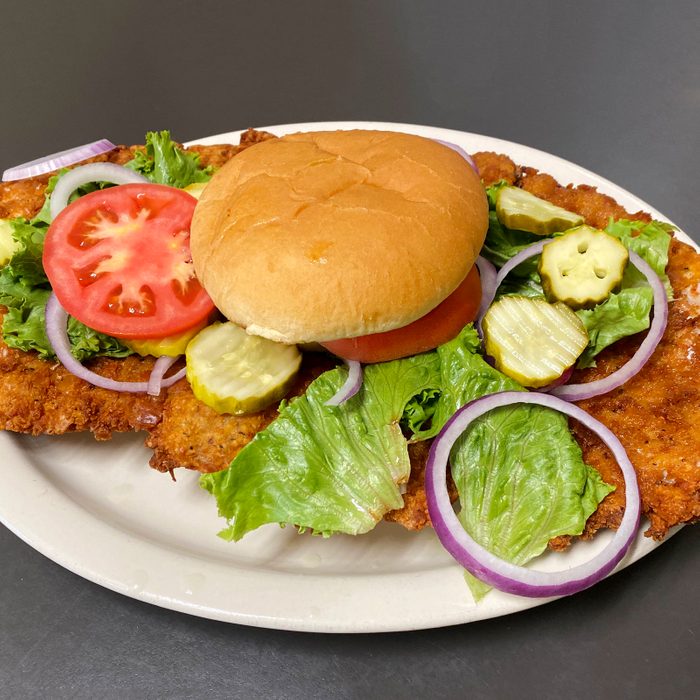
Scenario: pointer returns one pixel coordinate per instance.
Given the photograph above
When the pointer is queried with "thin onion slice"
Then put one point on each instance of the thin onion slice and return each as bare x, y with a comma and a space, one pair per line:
488, 275
488, 567
461, 152
56, 161
579, 392
160, 367
521, 257
56, 331
351, 385
92, 172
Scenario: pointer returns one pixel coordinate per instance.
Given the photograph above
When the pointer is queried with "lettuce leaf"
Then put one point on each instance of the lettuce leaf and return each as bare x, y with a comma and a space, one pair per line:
24, 290
621, 315
165, 163
651, 242
329, 469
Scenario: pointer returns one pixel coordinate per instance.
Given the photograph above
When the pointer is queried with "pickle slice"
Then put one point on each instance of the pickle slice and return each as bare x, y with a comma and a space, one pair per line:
516, 208
8, 245
196, 189
582, 267
234, 372
531, 340
171, 346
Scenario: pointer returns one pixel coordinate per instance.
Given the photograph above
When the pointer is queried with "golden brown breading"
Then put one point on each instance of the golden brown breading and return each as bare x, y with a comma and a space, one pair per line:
194, 436
40, 397
494, 167
654, 414
596, 208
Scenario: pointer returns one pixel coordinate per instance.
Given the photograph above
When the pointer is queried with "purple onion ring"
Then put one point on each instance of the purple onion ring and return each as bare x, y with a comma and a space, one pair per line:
498, 572
56, 161
56, 331
351, 385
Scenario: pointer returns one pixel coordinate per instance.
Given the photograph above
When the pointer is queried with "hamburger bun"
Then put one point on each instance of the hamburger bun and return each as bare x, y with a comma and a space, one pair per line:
325, 235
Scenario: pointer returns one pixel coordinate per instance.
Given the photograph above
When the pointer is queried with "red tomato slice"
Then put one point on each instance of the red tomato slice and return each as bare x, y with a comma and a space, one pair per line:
438, 326
119, 261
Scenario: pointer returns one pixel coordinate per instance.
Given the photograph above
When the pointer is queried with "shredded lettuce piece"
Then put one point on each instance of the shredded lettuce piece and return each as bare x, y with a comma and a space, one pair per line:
619, 316
163, 162
328, 469
651, 242
24, 290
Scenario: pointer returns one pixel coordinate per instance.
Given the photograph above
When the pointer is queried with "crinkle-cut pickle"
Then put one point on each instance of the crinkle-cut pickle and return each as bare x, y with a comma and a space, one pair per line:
8, 245
235, 372
518, 209
531, 340
582, 267
170, 346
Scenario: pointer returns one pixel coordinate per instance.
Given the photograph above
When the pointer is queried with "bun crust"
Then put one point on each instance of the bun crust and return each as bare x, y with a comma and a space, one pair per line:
324, 235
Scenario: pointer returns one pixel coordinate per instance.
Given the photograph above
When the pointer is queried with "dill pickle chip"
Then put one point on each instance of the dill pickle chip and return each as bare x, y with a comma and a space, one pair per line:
195, 189
171, 346
531, 340
516, 208
234, 372
8, 245
582, 267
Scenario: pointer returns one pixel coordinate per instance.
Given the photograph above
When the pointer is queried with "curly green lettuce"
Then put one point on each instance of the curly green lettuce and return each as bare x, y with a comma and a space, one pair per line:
24, 290
163, 162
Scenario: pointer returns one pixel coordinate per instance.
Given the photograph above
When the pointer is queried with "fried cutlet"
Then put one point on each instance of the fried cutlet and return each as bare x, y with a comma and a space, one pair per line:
652, 415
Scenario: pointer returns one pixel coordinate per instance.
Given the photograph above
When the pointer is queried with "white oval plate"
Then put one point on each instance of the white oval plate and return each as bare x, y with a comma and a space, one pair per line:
100, 511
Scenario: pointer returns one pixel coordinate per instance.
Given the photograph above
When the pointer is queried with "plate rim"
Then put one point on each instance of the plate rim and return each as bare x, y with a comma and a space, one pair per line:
41, 535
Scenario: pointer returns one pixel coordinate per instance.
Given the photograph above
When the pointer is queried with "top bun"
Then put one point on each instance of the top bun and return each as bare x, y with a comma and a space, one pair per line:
335, 234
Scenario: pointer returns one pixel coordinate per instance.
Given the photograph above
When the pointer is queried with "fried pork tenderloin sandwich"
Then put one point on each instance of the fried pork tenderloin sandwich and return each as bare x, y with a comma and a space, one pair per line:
362, 241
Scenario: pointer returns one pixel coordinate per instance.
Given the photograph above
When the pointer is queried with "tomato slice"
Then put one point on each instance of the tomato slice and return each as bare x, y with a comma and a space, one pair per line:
438, 326
119, 261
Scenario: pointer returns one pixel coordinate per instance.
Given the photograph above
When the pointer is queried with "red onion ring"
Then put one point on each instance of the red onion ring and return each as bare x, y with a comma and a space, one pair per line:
56, 331
92, 172
488, 567
522, 256
351, 385
56, 161
160, 367
461, 152
488, 275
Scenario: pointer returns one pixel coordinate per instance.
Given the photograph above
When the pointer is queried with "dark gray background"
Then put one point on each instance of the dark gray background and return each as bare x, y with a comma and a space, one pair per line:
614, 87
